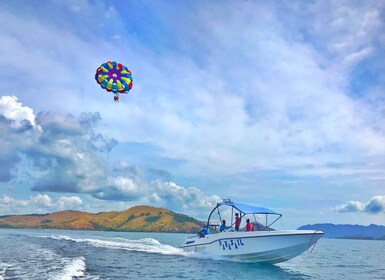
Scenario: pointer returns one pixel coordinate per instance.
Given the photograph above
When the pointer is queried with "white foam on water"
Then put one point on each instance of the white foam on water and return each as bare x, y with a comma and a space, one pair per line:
147, 245
3, 269
35, 262
59, 267
72, 268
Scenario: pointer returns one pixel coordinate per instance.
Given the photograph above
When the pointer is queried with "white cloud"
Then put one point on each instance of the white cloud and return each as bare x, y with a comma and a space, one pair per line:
375, 205
8, 202
42, 200
63, 156
358, 55
137, 189
121, 188
15, 111
351, 206
40, 203
52, 151
71, 202
178, 197
191, 201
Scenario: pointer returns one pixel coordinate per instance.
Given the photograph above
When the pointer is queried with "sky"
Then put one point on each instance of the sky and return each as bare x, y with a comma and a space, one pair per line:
278, 104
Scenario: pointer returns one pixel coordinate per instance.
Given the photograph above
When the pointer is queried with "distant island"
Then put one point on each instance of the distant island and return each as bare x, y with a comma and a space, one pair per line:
371, 232
138, 218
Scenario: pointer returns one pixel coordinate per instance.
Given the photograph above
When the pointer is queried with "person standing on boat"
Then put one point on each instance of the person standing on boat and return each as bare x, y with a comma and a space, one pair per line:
237, 221
223, 226
249, 226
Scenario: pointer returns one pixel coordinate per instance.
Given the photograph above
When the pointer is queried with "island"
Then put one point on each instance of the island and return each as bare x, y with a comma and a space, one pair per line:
346, 231
138, 218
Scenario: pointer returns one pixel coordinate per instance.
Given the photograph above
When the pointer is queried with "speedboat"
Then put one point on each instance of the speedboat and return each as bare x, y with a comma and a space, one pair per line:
261, 244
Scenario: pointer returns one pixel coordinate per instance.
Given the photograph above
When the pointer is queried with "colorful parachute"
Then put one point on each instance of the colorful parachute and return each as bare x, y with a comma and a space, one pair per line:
115, 77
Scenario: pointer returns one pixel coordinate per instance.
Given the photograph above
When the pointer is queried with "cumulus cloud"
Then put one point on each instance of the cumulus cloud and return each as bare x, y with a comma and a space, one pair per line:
63, 155
121, 188
351, 206
17, 126
42, 200
375, 205
7, 201
14, 111
136, 187
178, 197
71, 202
40, 203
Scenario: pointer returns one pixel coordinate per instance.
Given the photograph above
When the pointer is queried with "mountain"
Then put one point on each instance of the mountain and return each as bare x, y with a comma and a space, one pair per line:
349, 231
138, 218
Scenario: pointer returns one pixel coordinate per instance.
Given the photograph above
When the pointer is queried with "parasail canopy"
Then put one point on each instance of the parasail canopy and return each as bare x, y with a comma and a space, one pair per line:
114, 77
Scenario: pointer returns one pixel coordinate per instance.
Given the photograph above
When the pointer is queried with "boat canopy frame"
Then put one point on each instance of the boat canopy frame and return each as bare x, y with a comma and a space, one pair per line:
244, 209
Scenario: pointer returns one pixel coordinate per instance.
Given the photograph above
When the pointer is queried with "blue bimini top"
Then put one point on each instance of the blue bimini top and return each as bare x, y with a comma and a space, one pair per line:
247, 209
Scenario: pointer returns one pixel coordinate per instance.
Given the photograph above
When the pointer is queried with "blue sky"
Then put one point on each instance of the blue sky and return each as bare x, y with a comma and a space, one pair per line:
273, 103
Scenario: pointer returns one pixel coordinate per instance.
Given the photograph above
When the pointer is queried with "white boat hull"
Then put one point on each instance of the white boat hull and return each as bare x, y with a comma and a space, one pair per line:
255, 246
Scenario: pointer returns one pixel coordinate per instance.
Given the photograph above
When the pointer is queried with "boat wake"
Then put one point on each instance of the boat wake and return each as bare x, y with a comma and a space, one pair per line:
72, 268
31, 261
3, 269
146, 245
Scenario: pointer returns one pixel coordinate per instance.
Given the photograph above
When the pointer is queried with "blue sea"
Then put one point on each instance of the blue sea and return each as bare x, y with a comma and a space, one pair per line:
61, 254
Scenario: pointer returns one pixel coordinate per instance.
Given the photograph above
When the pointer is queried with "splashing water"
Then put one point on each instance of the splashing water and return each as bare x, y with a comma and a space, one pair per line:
147, 245
72, 268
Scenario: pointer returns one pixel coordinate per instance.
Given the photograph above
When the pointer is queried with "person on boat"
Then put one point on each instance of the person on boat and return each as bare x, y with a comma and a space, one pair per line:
237, 221
223, 226
249, 226
203, 232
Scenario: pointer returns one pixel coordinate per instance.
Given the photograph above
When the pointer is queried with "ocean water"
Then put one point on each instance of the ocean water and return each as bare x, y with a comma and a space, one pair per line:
59, 254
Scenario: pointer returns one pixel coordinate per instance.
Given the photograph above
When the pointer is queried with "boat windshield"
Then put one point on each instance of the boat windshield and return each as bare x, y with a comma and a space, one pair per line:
245, 210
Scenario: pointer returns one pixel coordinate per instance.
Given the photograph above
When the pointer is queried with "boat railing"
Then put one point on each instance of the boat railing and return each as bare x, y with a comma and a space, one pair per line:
215, 226
261, 227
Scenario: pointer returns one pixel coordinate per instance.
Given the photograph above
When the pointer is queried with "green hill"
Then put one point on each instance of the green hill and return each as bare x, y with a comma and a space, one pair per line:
138, 218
